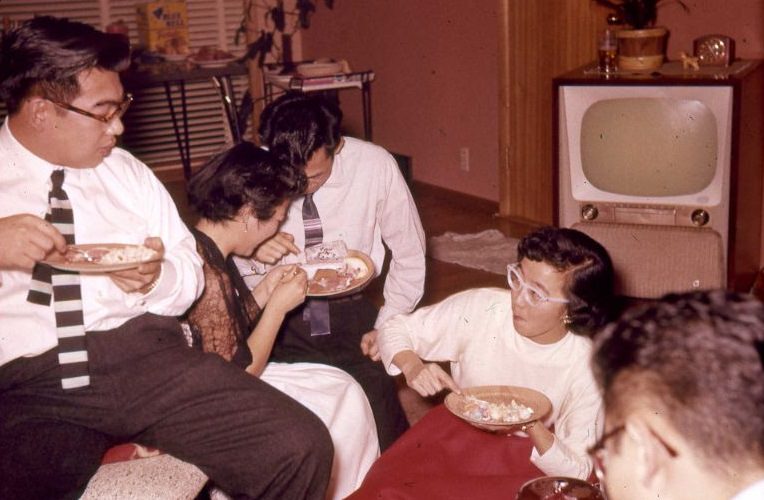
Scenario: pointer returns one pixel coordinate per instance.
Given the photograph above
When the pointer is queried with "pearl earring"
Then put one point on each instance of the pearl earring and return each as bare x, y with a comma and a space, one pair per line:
567, 320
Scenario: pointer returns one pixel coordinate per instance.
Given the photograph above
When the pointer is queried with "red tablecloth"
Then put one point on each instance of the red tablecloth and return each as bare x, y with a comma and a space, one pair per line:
446, 458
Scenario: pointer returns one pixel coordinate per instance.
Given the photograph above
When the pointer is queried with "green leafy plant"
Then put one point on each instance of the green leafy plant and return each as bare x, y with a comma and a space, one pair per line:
277, 19
638, 14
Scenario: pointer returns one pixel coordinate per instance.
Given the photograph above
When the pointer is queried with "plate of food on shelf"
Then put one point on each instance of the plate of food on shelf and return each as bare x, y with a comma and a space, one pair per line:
334, 271
498, 408
277, 76
101, 257
212, 57
175, 57
320, 67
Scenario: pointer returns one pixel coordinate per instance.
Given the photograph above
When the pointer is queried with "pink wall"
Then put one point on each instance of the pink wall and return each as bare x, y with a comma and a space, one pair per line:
436, 65
743, 20
436, 86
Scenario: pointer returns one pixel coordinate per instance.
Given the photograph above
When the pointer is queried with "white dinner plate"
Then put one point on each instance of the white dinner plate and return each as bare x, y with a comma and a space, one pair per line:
212, 63
355, 258
87, 258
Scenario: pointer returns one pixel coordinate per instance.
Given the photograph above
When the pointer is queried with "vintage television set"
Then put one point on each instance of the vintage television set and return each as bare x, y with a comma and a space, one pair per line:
665, 170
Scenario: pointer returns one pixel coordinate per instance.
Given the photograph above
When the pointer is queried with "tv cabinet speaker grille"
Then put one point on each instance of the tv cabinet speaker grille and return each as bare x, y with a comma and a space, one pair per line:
651, 261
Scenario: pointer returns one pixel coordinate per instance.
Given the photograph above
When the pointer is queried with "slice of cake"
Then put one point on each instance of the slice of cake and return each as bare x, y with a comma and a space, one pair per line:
330, 256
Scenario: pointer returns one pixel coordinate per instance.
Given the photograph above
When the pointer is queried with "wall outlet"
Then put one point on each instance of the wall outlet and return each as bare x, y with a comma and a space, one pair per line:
464, 159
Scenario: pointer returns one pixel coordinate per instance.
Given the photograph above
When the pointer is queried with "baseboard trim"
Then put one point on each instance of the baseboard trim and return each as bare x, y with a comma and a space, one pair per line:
455, 197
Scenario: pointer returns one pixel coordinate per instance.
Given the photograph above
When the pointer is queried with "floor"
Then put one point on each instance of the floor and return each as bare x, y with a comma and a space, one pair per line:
441, 210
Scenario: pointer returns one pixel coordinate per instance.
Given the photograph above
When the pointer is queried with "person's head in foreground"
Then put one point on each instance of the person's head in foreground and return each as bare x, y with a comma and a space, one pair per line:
683, 385
562, 281
303, 130
241, 196
60, 82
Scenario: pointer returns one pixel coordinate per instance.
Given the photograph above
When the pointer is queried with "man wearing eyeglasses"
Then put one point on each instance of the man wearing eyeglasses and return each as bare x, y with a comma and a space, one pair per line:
91, 360
683, 383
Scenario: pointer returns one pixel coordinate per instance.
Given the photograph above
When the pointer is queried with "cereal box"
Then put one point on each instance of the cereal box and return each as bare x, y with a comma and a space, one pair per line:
163, 26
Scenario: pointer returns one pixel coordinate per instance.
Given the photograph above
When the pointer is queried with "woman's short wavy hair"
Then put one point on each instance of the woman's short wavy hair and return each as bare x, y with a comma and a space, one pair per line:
244, 175
589, 284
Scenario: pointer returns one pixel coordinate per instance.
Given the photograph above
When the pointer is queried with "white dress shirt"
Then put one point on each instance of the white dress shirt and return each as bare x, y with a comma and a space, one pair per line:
473, 330
118, 201
365, 202
752, 492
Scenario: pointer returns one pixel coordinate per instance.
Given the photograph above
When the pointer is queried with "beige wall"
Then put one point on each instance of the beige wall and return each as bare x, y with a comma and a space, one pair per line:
436, 87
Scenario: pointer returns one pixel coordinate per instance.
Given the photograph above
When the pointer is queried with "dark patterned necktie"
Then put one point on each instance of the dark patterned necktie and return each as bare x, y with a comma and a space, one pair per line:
64, 288
316, 311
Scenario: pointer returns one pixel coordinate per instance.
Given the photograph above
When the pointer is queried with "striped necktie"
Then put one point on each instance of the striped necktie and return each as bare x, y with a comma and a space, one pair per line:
64, 287
316, 311
314, 233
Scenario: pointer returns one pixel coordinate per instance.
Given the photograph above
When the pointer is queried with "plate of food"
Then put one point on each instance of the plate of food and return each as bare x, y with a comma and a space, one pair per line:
212, 57
101, 257
212, 63
498, 408
335, 271
559, 488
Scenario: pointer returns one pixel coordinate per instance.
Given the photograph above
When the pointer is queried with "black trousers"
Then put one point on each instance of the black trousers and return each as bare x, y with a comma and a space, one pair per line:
350, 319
148, 387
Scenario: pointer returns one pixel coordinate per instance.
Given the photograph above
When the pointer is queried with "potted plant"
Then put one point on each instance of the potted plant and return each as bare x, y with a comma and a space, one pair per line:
277, 19
643, 45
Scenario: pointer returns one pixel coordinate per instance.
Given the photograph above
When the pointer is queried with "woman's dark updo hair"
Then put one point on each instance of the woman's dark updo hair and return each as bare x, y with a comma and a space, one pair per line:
244, 175
590, 282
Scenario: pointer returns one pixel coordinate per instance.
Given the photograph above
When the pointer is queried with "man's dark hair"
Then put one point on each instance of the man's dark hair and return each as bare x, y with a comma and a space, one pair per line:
589, 284
697, 359
244, 175
296, 125
44, 55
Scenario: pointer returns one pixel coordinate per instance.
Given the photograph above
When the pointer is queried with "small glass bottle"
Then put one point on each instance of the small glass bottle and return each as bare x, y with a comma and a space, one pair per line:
607, 46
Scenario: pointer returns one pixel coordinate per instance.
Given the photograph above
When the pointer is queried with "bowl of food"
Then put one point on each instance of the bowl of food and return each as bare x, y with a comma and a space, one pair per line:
498, 408
559, 488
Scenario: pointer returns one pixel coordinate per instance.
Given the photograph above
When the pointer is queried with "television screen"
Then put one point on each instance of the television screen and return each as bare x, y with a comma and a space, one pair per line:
660, 145
649, 146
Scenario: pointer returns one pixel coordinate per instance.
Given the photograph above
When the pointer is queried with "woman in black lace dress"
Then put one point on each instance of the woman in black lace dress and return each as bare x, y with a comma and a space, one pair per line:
241, 197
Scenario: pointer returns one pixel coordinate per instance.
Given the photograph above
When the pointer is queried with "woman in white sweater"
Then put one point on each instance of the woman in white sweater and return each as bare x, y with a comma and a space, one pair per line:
534, 335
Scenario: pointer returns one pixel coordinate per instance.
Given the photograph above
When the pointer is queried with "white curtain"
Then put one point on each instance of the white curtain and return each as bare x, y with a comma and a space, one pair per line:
149, 134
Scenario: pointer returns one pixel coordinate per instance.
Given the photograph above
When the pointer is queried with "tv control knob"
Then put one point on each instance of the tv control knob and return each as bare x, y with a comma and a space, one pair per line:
589, 212
700, 217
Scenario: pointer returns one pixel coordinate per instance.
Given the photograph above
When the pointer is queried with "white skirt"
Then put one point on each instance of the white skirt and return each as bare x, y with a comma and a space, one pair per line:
339, 401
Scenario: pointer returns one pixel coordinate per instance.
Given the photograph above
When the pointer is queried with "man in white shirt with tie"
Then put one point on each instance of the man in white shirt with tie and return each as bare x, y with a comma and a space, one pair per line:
357, 194
90, 360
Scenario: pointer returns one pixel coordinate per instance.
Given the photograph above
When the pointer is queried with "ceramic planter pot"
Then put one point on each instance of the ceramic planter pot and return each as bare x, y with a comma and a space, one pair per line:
641, 50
